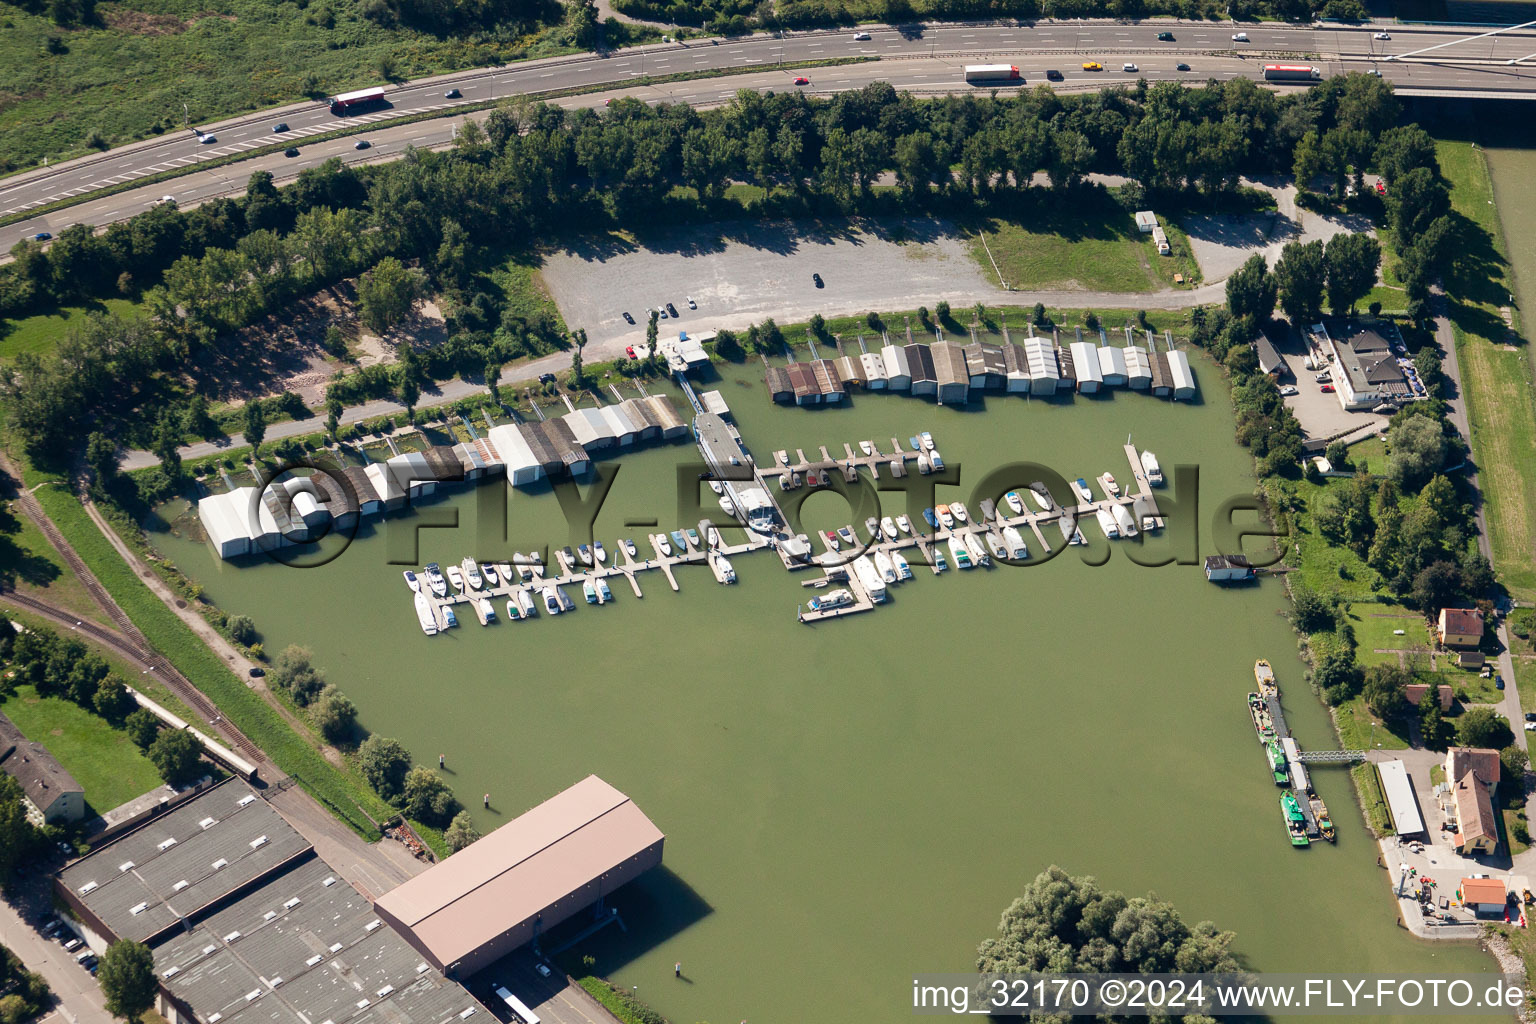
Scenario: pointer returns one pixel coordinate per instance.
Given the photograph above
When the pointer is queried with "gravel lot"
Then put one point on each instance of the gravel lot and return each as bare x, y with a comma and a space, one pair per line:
1222, 244
744, 272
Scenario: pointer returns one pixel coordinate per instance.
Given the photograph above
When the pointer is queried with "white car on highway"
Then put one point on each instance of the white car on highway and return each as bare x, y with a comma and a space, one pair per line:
208, 139
1383, 35
861, 37
1128, 66
1240, 37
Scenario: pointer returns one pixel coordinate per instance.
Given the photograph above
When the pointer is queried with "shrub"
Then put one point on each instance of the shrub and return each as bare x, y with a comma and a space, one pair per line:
426, 797
334, 715
460, 832
384, 763
142, 727
242, 629
178, 756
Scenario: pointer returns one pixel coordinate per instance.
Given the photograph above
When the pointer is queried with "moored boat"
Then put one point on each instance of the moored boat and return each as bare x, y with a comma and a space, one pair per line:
1123, 520
924, 463
680, 542
584, 553
488, 572
472, 573
1278, 767
866, 448
962, 555
1110, 485
1080, 486
598, 552
1014, 502
551, 602
930, 518
872, 525
903, 524
978, 550
449, 617
435, 580
693, 536
935, 460
927, 440
456, 577
412, 582
513, 612
1325, 823
662, 544
1258, 710
589, 591
504, 570
724, 571
888, 527
832, 542
717, 486
1042, 495
1015, 541
988, 510
1295, 821
946, 518
939, 563
831, 599
1265, 677
566, 604
903, 570
487, 613
1070, 532
629, 546
727, 505
424, 615
1107, 523
1152, 469
846, 532
525, 603
886, 567
996, 546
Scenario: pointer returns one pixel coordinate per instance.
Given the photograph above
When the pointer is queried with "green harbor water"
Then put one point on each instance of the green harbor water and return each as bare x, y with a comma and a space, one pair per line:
850, 803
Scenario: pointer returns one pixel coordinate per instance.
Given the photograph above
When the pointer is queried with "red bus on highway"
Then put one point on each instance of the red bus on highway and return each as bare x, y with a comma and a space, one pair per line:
351, 102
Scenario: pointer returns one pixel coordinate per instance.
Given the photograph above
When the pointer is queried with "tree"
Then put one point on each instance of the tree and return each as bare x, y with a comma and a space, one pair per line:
1337, 454
112, 700
294, 672
1427, 362
241, 629
1417, 448
1251, 291
333, 714
460, 832
255, 426
1353, 260
1483, 727
101, 456
1434, 730
127, 979
1383, 691
1401, 149
1514, 763
384, 763
18, 836
1300, 276
427, 798
1415, 201
1436, 586
167, 445
142, 727
386, 294
178, 756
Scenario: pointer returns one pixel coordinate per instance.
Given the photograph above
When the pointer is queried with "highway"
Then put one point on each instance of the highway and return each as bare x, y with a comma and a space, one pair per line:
926, 60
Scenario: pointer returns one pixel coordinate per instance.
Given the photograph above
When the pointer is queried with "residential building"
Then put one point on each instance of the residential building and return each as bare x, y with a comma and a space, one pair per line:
1460, 627
52, 794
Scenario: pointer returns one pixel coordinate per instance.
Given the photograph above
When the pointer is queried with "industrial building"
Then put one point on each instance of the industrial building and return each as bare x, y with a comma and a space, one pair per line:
539, 869
52, 795
1363, 351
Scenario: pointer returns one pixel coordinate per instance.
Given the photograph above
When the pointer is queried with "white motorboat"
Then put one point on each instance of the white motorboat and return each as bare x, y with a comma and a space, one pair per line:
525, 603
488, 571
424, 614
598, 552
936, 460
504, 570
629, 546
1070, 531
866, 448
456, 578
524, 566
904, 524
449, 617
551, 602
831, 599
1108, 480
717, 486
662, 544
1080, 488
472, 573
727, 506
872, 525
1152, 469
1015, 541
946, 519
995, 545
978, 550
721, 565
958, 510
924, 464
1107, 523
886, 567
1042, 496
513, 614
1014, 502
960, 553
487, 613
412, 582
927, 440
888, 528
1124, 520
435, 580
903, 570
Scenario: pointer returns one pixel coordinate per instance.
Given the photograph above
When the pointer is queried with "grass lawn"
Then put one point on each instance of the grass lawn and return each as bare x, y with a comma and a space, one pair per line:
1369, 456
1525, 681
36, 569
40, 333
1374, 625
1093, 245
1371, 800
1356, 732
102, 759
221, 60
524, 291
1497, 376
1325, 567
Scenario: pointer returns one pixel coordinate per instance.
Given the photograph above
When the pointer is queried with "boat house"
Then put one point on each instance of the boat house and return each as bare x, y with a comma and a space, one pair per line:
898, 376
1044, 373
1085, 367
1228, 568
1181, 376
874, 371
1112, 366
925, 380
780, 388
1138, 368
953, 378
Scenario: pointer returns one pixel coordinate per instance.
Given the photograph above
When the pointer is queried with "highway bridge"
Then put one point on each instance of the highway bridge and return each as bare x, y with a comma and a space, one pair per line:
1418, 61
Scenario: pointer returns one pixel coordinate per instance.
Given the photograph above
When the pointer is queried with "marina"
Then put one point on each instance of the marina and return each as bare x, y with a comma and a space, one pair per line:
863, 569
1303, 811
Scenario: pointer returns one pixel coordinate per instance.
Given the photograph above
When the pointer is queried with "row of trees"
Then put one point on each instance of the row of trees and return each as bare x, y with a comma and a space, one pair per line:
331, 712
416, 789
26, 993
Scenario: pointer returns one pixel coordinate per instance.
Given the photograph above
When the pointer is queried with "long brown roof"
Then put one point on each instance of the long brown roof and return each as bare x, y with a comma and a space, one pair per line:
521, 868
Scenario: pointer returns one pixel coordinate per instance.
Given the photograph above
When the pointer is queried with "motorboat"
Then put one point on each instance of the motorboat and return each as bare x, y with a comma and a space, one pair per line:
946, 519
832, 542
1070, 531
1107, 523
513, 614
598, 552
872, 525
603, 591
662, 544
456, 578
904, 524
1014, 502
939, 564
524, 567
680, 542
589, 590
936, 460
1110, 485
1042, 496
525, 603
551, 602
1015, 541
1154, 471
424, 614
831, 599
960, 552
899, 562
886, 567
927, 440
995, 544
988, 510
570, 557
449, 617
846, 532
472, 573
785, 482
866, 448
412, 582
435, 580
488, 571
724, 572
584, 553
1124, 520
915, 442
566, 604
888, 528
712, 538
784, 457
978, 550
629, 546
924, 464
959, 511
717, 486
1080, 487
727, 506
504, 570
487, 613
930, 518
693, 536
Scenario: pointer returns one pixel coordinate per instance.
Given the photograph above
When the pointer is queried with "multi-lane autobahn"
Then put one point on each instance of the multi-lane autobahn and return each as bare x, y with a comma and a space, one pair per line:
925, 60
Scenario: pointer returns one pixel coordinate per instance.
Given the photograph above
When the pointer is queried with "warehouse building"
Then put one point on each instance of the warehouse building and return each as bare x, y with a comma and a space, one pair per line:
503, 891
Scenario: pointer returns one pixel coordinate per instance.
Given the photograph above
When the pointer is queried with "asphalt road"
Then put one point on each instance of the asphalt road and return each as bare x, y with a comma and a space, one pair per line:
927, 59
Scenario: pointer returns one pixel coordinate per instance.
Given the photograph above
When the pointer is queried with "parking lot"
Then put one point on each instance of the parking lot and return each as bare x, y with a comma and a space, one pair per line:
746, 272
1318, 411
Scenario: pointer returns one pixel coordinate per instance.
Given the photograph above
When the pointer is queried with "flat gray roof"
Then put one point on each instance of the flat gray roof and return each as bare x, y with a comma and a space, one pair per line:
179, 863
305, 948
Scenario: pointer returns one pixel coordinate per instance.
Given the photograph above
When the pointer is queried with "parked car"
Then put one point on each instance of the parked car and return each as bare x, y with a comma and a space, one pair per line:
1092, 65
627, 318
1181, 66
1240, 37
290, 151
547, 378
257, 671
691, 303
1054, 75
802, 80
672, 310
1324, 377
629, 350
1381, 187
281, 126
361, 144
819, 282
1165, 37
453, 94
861, 37
544, 971
1530, 716
661, 312
1287, 390
1128, 66
1327, 389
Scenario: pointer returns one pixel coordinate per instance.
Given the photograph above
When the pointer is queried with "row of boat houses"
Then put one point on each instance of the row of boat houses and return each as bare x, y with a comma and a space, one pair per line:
296, 509
949, 372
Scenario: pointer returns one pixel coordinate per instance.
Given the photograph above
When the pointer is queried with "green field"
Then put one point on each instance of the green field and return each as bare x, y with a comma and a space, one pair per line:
40, 333
32, 565
127, 75
102, 759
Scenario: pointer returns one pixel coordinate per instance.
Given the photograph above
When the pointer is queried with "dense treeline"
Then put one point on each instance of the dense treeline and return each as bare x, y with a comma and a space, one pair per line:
26, 992
738, 16
533, 170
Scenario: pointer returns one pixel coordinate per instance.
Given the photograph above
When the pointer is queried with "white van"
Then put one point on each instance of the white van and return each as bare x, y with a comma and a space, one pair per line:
861, 37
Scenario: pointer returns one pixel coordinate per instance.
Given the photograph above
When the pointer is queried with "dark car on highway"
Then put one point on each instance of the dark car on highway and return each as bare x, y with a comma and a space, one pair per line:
42, 236
1054, 75
452, 94
290, 151
361, 144
1165, 37
1181, 66
281, 126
